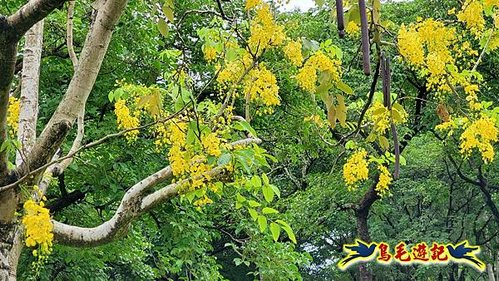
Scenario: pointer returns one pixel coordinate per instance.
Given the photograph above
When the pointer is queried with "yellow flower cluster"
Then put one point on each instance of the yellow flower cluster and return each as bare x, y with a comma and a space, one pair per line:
380, 116
481, 134
265, 32
356, 169
307, 76
250, 4
13, 115
262, 85
190, 160
211, 144
126, 120
38, 228
435, 38
472, 15
233, 70
177, 134
210, 53
352, 28
384, 181
293, 52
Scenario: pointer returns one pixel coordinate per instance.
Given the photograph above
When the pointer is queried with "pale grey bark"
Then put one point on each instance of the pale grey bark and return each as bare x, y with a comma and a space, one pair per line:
30, 81
69, 34
80, 86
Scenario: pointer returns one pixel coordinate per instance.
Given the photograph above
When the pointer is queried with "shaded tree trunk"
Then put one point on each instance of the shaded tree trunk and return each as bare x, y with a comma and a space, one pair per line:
362, 214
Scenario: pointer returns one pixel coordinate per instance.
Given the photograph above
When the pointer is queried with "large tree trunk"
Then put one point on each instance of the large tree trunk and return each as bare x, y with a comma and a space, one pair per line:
8, 255
362, 214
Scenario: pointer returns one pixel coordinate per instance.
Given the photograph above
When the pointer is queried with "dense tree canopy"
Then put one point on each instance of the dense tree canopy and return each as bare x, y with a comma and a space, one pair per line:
238, 140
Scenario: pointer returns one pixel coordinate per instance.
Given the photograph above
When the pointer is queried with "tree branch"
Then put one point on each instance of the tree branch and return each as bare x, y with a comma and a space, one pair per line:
132, 205
28, 15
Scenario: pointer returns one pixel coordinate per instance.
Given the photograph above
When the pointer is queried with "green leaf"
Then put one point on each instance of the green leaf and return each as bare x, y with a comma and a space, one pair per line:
383, 142
240, 198
163, 27
253, 213
403, 162
265, 179
256, 181
224, 159
168, 11
268, 193
253, 203
275, 229
288, 230
243, 125
276, 190
262, 223
344, 88
268, 211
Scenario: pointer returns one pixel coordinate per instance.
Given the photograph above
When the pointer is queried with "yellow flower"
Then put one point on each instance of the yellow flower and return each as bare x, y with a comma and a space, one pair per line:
177, 160
472, 16
384, 181
352, 28
212, 144
203, 201
425, 45
410, 45
307, 76
262, 85
380, 116
356, 169
481, 134
210, 53
264, 30
126, 120
293, 52
38, 227
250, 4
13, 115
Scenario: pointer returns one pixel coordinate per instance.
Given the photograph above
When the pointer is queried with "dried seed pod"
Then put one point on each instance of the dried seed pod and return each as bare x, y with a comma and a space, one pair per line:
340, 18
364, 28
386, 75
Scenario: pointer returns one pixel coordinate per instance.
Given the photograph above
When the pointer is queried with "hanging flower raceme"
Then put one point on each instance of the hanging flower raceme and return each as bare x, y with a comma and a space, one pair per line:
480, 135
472, 15
384, 181
126, 120
318, 63
426, 46
265, 32
293, 52
261, 85
38, 228
13, 115
356, 169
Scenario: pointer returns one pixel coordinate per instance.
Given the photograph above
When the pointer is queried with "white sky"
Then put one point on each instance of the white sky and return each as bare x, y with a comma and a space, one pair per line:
302, 5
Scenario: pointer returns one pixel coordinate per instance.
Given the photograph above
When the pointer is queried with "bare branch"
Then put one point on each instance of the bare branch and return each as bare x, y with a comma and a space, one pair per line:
69, 34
